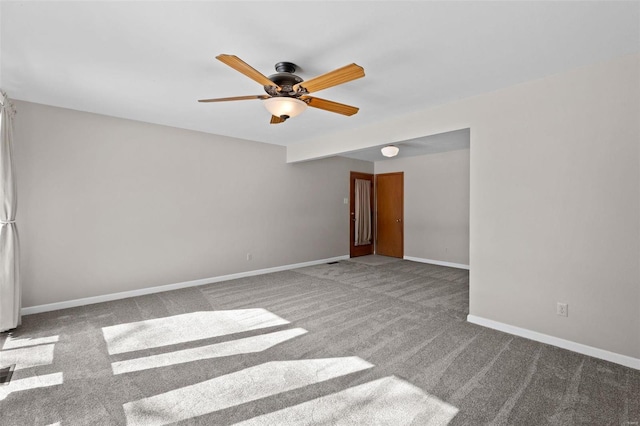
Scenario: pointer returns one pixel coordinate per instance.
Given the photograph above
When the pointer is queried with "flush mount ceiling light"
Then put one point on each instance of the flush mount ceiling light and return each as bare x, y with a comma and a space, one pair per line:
284, 107
390, 151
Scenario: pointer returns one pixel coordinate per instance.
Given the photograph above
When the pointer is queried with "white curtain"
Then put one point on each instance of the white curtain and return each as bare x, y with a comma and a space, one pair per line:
10, 291
362, 212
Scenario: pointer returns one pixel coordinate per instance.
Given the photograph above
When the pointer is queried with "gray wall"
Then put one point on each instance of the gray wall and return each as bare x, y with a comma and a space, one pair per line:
555, 199
436, 204
109, 205
555, 206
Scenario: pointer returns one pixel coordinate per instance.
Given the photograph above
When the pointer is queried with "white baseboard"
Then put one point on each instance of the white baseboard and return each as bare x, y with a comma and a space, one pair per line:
159, 289
625, 360
437, 262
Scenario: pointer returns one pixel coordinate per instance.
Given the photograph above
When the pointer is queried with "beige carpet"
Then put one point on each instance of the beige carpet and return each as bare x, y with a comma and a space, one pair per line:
341, 344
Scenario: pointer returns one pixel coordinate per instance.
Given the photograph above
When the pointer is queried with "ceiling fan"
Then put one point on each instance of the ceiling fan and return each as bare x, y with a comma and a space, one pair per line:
287, 94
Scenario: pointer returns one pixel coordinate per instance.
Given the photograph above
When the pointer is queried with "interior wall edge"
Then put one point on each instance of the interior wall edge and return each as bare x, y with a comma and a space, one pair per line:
580, 348
168, 287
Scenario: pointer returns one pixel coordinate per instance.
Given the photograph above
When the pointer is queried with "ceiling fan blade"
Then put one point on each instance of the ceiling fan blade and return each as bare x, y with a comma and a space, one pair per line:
330, 105
276, 120
235, 98
246, 69
332, 78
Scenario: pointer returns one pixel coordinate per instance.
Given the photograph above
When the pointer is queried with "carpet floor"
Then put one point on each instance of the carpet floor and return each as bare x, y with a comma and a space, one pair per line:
384, 343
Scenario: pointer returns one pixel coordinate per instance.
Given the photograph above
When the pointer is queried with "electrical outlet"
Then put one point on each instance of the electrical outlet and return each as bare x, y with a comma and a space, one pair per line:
249, 256
562, 309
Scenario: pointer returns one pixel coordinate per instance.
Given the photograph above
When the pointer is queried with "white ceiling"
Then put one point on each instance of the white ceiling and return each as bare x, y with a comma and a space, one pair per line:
151, 61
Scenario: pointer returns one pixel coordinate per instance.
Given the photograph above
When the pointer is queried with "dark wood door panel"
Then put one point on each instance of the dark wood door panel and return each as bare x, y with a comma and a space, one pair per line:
390, 214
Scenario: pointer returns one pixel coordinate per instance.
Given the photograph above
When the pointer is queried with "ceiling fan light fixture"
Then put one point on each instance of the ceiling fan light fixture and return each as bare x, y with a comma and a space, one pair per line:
390, 151
284, 106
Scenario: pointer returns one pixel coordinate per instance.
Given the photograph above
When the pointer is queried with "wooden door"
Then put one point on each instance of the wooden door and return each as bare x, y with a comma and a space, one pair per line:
390, 214
359, 250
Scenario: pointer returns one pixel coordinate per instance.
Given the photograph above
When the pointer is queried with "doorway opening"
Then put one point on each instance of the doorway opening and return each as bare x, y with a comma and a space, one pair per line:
376, 219
361, 219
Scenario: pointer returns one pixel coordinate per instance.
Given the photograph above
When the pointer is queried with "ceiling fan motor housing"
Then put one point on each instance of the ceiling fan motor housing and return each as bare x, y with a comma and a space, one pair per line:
285, 79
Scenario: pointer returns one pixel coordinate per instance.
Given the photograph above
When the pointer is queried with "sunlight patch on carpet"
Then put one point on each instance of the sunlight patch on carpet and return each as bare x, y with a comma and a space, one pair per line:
386, 401
27, 357
35, 382
235, 347
135, 336
16, 342
237, 388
